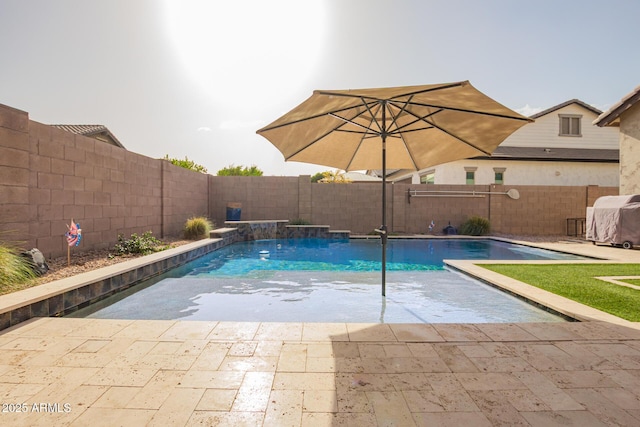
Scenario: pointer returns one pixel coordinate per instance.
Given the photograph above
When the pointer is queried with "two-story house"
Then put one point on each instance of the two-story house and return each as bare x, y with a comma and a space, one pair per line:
561, 147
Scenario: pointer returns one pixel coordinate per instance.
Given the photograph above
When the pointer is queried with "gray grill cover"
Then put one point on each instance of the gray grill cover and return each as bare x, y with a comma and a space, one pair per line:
614, 219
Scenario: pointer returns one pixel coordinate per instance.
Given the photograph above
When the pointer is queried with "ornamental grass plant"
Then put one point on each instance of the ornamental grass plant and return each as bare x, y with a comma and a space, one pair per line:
197, 228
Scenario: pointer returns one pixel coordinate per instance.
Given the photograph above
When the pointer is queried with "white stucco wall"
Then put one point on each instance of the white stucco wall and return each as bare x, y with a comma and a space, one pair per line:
529, 173
630, 151
544, 132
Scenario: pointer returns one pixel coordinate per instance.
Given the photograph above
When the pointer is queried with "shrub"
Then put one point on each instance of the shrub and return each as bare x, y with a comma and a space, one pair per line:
145, 244
14, 268
186, 163
475, 226
197, 227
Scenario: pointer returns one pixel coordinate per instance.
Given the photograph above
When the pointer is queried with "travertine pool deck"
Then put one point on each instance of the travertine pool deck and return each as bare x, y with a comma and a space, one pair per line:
79, 372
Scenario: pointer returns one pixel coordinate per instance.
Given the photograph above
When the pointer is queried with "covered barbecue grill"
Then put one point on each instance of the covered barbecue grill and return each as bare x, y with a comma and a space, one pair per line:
615, 220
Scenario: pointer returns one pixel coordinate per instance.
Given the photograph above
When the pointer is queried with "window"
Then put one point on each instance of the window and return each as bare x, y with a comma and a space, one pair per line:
570, 125
428, 178
499, 175
470, 175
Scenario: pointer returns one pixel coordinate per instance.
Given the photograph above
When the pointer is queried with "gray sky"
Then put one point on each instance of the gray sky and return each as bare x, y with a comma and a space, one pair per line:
198, 78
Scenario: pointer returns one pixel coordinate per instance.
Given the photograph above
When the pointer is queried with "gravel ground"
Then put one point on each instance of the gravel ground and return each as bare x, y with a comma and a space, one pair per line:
82, 262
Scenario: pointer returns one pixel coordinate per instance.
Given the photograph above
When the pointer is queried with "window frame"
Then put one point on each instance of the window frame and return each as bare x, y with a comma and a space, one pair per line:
571, 118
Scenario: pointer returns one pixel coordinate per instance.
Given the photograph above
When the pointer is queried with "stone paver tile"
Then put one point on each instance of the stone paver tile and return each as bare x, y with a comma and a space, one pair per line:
349, 364
215, 399
34, 343
422, 350
79, 399
116, 397
497, 408
365, 382
293, 358
607, 349
580, 379
410, 381
21, 357
284, 408
628, 332
501, 364
166, 347
18, 393
370, 332
165, 361
81, 360
451, 419
547, 391
34, 374
304, 381
345, 349
621, 397
524, 400
177, 408
99, 328
550, 331
485, 381
278, 331
605, 410
212, 379
249, 364
243, 348
212, 356
368, 351
125, 377
451, 394
91, 346
536, 356
501, 349
505, 332
422, 401
562, 418
234, 331
580, 358
320, 401
109, 417
318, 419
53, 392
324, 332
128, 356
320, 350
454, 358
351, 401
593, 331
460, 332
156, 391
625, 379
390, 408
253, 394
397, 350
321, 364
226, 419
54, 352
474, 350
421, 333
192, 330
147, 329
268, 348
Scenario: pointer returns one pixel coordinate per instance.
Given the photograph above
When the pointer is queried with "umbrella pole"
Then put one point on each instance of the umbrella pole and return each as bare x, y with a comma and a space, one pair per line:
384, 215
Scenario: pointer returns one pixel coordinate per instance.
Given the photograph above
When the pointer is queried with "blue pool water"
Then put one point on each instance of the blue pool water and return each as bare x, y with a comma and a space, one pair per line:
316, 280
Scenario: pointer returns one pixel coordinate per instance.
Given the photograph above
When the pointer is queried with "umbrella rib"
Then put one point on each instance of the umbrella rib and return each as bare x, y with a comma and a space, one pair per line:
465, 110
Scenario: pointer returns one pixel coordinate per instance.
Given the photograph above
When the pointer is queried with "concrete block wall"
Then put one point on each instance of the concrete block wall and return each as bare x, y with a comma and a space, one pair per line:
49, 176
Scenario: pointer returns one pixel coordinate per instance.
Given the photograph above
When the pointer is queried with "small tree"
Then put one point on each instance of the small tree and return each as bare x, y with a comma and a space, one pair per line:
334, 177
187, 164
232, 170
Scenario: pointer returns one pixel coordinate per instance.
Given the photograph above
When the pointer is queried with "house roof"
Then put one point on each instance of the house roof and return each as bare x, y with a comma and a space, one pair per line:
554, 154
99, 132
564, 104
611, 117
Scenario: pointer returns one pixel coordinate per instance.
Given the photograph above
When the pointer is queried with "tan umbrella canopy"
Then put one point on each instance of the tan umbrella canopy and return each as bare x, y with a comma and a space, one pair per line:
411, 127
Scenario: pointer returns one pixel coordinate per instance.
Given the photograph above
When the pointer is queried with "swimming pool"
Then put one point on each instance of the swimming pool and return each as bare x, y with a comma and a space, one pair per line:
318, 280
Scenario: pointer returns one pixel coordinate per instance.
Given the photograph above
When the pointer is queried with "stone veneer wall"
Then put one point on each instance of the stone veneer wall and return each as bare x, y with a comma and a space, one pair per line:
630, 151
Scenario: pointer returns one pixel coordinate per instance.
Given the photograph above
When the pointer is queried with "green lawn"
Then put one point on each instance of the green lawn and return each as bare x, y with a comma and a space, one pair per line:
632, 281
577, 282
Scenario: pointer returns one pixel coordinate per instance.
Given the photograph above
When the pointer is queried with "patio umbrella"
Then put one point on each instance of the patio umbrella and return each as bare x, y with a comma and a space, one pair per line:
411, 127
